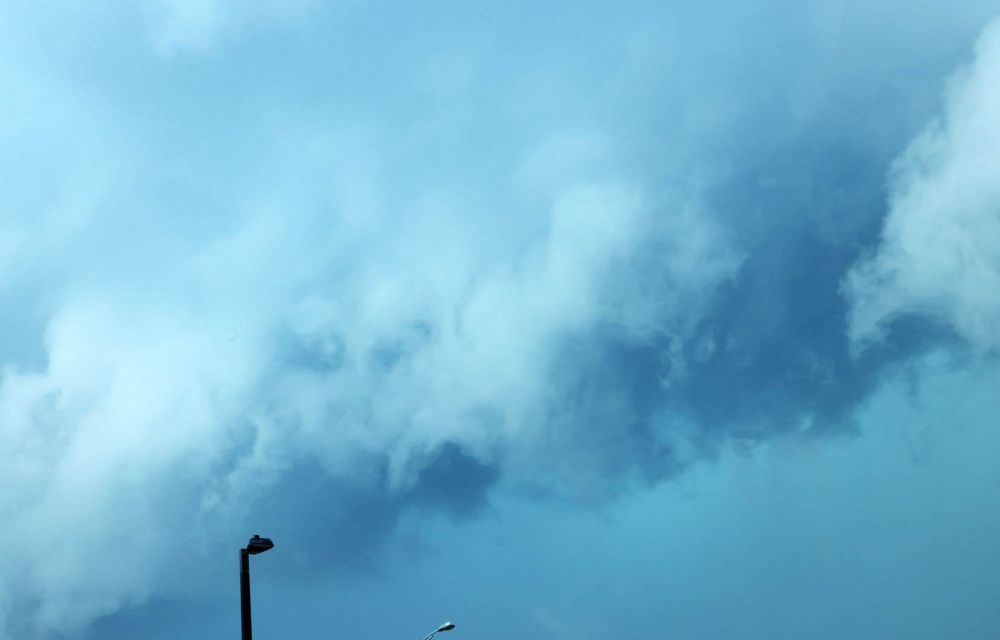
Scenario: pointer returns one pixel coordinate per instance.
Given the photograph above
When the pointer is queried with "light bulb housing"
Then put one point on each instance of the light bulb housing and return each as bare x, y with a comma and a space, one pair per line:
259, 545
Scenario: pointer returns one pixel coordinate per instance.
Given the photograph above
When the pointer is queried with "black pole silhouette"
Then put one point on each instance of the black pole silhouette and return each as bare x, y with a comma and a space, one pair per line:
256, 545
245, 594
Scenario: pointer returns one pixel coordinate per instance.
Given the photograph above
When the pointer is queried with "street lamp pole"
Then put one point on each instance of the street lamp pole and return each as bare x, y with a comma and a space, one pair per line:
245, 595
447, 626
256, 545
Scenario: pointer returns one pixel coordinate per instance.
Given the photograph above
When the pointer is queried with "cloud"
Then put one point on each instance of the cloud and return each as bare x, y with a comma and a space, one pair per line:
372, 354
939, 254
382, 269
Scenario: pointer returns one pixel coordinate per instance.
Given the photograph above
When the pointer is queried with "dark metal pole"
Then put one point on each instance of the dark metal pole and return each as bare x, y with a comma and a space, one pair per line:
245, 594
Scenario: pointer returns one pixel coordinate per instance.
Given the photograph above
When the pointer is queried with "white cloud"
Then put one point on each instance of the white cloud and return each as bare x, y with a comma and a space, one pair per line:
940, 250
168, 389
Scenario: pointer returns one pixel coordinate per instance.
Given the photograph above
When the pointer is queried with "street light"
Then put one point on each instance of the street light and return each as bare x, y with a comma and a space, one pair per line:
255, 546
447, 626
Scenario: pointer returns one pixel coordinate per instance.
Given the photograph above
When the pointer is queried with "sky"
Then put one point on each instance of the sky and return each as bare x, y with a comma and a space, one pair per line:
558, 320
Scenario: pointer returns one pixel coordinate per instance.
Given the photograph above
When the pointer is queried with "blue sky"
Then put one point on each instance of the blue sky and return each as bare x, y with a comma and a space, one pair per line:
558, 320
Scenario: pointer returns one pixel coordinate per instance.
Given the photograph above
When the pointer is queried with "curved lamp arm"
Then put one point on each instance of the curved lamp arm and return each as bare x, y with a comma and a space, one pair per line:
447, 626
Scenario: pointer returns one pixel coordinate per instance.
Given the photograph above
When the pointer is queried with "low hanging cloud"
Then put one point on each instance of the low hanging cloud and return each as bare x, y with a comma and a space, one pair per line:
939, 255
375, 350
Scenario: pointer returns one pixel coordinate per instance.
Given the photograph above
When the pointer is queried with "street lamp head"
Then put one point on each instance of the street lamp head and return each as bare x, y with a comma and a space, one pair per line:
259, 545
447, 626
